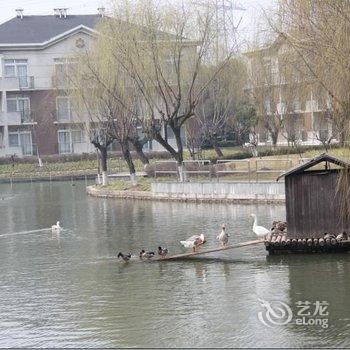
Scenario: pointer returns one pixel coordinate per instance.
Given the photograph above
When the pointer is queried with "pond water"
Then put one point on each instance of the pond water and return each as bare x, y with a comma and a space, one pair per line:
69, 290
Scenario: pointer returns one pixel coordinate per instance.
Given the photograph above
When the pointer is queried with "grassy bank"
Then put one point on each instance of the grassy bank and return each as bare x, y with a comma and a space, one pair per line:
143, 184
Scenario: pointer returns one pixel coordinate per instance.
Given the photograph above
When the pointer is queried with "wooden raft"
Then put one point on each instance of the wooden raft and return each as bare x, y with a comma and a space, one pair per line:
201, 252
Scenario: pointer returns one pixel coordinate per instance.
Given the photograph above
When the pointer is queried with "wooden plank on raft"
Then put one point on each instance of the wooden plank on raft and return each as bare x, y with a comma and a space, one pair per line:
201, 252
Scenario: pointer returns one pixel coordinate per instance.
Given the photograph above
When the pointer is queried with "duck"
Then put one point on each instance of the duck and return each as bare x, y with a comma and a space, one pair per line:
342, 236
193, 241
147, 255
126, 257
162, 251
223, 236
57, 227
260, 231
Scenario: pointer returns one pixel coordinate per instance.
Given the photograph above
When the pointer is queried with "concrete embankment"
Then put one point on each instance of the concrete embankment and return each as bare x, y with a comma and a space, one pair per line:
235, 192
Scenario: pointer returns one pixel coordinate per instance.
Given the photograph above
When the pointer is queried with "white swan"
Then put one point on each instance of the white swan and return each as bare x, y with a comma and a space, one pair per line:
193, 241
57, 227
223, 236
260, 231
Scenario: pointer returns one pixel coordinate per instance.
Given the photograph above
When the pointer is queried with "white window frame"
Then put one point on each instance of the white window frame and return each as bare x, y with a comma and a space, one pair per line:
16, 62
69, 109
71, 143
19, 133
65, 63
17, 99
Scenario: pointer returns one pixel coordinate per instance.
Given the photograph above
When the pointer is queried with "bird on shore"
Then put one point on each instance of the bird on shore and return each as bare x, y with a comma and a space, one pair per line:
126, 257
223, 236
57, 227
162, 252
260, 231
146, 255
193, 241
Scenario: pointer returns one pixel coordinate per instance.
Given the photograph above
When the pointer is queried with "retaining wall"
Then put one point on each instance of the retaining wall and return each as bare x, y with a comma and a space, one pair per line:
238, 192
214, 191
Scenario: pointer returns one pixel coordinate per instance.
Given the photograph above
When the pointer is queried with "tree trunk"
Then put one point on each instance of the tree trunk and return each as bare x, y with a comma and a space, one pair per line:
98, 157
179, 154
217, 149
138, 146
274, 136
342, 138
103, 158
127, 156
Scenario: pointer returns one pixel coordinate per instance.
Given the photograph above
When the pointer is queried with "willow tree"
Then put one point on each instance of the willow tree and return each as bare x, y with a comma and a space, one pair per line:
103, 93
216, 112
163, 49
319, 32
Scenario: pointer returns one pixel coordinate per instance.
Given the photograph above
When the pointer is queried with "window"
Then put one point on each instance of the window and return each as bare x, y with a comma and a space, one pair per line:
12, 105
68, 138
20, 104
281, 108
63, 109
17, 68
170, 133
311, 106
63, 69
77, 136
64, 142
22, 139
296, 105
13, 140
267, 105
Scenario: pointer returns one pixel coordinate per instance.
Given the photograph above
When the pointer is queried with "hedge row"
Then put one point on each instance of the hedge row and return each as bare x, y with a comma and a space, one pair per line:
63, 158
284, 150
160, 155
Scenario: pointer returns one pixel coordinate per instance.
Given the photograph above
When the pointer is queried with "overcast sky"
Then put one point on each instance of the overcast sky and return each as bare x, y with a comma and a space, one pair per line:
45, 7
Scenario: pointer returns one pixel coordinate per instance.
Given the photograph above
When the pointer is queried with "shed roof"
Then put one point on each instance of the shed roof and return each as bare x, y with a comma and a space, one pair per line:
324, 157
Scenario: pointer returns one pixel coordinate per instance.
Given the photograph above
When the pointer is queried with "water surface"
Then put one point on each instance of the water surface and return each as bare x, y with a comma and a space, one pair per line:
69, 290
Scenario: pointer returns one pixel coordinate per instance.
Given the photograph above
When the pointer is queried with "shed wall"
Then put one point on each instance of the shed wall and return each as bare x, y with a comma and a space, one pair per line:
313, 205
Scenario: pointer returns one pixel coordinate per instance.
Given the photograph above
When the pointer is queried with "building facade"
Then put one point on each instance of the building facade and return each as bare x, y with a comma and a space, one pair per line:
36, 116
291, 106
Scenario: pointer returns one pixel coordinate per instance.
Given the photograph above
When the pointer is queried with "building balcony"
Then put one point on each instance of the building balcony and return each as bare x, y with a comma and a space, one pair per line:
59, 82
9, 84
69, 118
73, 147
26, 83
9, 151
16, 83
17, 118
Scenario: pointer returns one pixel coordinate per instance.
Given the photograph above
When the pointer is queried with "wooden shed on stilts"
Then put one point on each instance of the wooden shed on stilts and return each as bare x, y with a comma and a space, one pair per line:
317, 207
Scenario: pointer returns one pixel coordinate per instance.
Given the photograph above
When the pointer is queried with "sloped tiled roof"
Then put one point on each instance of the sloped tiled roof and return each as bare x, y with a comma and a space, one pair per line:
40, 29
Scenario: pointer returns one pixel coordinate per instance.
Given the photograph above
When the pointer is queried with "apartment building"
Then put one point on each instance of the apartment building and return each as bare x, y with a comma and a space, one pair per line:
286, 96
36, 116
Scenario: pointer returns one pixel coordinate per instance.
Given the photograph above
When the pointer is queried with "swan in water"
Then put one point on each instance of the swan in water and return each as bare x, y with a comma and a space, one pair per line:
193, 241
260, 231
223, 236
57, 227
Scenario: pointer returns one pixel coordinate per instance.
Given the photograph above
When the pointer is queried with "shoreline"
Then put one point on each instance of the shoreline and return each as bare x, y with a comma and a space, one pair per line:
29, 179
185, 198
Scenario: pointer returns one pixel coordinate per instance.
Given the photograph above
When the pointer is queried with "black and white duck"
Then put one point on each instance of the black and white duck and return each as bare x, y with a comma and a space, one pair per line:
125, 257
146, 255
162, 251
